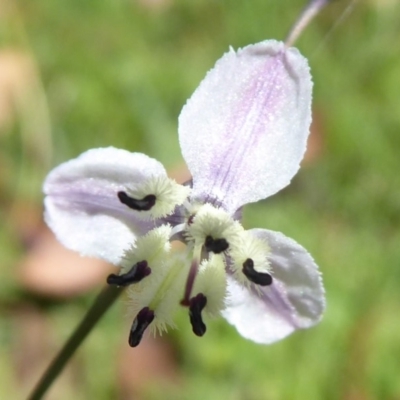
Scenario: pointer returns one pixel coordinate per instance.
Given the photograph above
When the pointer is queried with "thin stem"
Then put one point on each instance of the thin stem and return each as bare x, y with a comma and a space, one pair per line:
310, 11
190, 283
102, 303
194, 268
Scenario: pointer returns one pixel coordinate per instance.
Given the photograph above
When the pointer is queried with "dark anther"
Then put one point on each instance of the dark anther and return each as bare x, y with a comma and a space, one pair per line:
141, 322
139, 271
260, 278
144, 204
196, 306
216, 245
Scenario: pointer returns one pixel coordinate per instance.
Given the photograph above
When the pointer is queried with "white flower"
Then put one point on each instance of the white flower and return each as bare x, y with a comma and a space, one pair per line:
243, 134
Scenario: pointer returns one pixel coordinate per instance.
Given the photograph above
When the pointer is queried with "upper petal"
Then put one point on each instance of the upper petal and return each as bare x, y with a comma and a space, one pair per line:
295, 300
82, 206
243, 132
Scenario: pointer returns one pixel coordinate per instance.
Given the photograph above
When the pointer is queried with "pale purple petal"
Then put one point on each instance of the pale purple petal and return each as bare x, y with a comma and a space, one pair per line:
243, 132
295, 300
82, 207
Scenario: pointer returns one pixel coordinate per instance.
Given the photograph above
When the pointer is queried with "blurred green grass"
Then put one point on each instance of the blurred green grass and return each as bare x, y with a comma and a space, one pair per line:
117, 73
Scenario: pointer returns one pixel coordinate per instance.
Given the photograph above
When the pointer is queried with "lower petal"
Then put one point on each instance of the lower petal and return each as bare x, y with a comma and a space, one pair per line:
295, 300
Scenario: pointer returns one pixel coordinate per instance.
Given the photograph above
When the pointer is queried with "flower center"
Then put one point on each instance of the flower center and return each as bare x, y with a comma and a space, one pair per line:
160, 279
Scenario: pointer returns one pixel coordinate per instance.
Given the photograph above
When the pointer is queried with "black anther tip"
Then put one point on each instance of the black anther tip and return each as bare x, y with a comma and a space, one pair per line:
216, 245
196, 306
141, 322
259, 278
144, 204
138, 272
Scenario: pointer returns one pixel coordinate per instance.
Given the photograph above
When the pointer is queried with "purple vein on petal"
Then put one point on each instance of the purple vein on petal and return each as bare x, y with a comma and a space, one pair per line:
275, 295
275, 299
244, 130
93, 204
250, 121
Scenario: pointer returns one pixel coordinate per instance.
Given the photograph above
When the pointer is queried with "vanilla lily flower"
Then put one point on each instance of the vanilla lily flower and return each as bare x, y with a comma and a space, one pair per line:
243, 134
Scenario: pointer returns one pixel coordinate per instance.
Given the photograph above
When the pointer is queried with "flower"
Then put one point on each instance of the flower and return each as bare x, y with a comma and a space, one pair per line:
243, 134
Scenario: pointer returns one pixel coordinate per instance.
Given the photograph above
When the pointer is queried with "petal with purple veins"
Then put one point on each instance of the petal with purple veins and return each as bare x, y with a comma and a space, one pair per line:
243, 132
295, 300
82, 206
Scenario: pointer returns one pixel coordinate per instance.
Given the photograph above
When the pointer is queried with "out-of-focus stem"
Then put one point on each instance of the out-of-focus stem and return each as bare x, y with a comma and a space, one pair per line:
102, 303
307, 15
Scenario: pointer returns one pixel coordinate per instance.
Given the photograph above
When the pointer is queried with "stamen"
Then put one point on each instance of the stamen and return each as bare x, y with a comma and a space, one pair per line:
156, 197
216, 245
211, 282
138, 272
139, 325
196, 306
209, 224
190, 281
259, 278
144, 204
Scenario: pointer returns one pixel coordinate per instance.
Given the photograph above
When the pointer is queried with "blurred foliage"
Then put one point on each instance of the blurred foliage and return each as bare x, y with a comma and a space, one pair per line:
117, 72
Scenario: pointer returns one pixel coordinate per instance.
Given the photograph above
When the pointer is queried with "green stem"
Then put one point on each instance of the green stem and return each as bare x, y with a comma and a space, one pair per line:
102, 303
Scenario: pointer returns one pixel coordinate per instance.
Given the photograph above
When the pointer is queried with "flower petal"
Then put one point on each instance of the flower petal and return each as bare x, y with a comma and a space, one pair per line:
295, 300
82, 206
243, 132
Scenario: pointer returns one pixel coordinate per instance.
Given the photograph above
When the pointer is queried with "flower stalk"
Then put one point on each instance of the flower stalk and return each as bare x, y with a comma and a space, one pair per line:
309, 12
103, 302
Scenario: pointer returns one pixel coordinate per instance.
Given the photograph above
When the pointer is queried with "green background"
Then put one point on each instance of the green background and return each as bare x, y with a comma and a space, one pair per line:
117, 72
